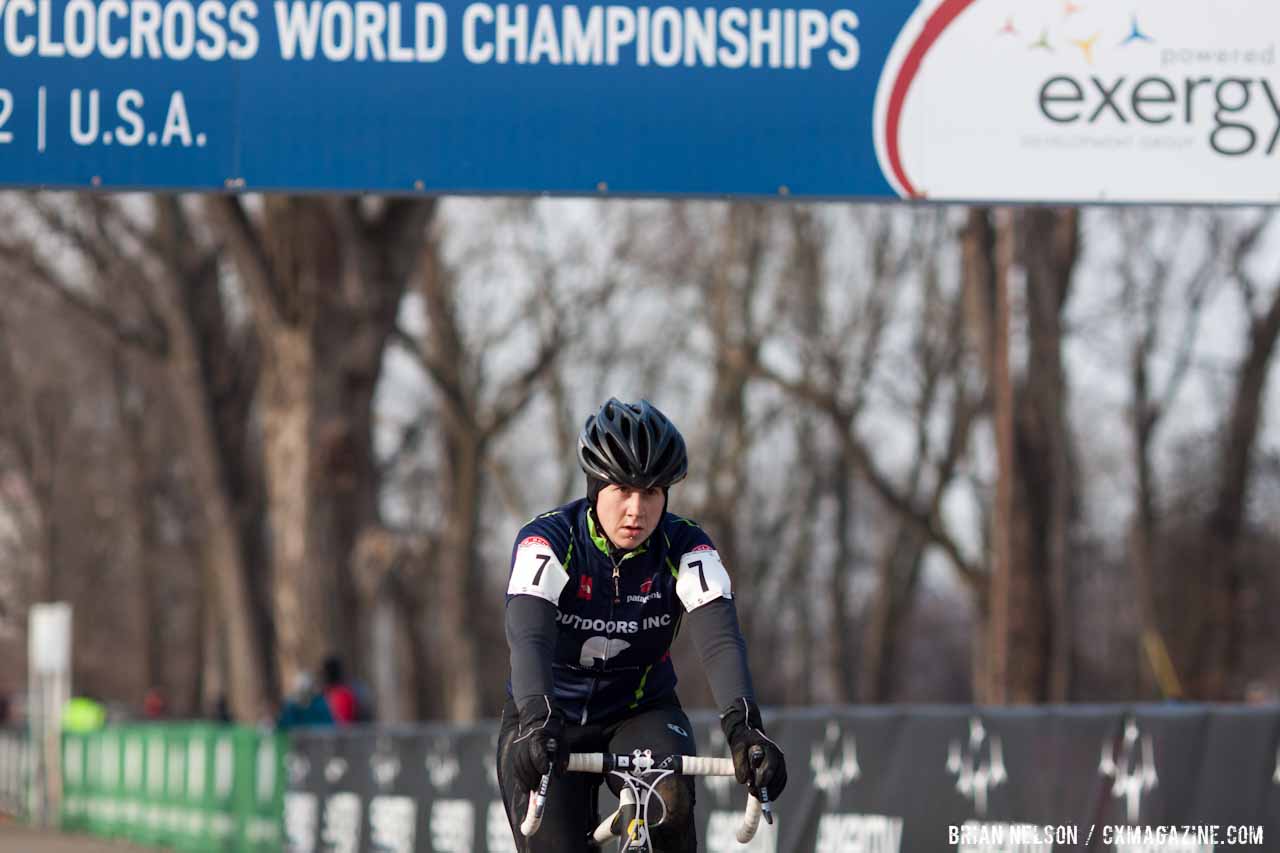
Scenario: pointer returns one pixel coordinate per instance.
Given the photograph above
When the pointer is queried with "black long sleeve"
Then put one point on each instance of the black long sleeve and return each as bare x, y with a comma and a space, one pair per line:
718, 638
531, 635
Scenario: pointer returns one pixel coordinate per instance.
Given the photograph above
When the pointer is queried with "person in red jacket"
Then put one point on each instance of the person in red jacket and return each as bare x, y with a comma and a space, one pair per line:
341, 698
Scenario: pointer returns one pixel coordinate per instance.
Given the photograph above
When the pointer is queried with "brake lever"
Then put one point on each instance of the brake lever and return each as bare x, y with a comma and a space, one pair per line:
540, 799
755, 756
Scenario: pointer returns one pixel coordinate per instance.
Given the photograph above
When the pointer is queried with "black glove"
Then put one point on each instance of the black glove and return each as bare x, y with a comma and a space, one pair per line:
744, 731
539, 745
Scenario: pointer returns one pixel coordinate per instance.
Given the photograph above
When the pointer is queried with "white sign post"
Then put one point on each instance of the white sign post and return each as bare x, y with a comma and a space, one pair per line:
49, 678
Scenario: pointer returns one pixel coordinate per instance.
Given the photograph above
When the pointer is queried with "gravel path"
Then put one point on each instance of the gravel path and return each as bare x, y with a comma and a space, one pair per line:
16, 838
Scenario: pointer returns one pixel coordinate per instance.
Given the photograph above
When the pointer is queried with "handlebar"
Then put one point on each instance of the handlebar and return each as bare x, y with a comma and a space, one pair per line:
637, 764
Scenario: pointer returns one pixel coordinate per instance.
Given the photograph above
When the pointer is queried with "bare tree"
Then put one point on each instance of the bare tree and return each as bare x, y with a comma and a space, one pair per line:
324, 279
1028, 645
1151, 271
1047, 250
34, 426
1218, 668
84, 525
838, 384
477, 401
942, 373
124, 279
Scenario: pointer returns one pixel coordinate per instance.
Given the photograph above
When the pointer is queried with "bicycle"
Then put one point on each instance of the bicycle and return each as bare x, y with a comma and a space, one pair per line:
634, 769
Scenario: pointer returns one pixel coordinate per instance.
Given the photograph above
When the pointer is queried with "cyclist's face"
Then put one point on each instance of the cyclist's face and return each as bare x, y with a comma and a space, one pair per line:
628, 515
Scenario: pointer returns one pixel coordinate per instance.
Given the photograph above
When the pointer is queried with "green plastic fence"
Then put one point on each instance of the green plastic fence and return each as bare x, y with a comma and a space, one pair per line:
192, 787
16, 758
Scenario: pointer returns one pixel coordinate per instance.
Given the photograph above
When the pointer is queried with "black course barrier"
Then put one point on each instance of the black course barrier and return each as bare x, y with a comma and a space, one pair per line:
862, 780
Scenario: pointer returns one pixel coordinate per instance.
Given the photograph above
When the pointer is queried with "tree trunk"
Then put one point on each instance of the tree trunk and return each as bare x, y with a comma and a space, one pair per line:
247, 690
142, 515
1003, 597
1048, 246
37, 441
212, 676
229, 368
1028, 628
454, 570
842, 580
800, 567
325, 280
460, 579
394, 680
732, 286
304, 594
382, 561
1219, 669
1155, 668
898, 570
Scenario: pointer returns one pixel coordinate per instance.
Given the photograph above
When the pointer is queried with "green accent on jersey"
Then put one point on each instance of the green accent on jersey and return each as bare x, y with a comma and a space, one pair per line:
640, 689
603, 544
568, 556
682, 520
596, 536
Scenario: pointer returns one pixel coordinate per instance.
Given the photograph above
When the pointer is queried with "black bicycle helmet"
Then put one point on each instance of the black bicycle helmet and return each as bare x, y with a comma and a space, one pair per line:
632, 444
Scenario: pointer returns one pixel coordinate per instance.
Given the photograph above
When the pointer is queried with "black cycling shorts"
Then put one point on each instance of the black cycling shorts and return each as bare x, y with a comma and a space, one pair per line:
572, 799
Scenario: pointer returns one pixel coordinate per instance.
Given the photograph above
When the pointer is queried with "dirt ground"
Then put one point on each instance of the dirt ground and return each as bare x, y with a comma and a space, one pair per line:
16, 838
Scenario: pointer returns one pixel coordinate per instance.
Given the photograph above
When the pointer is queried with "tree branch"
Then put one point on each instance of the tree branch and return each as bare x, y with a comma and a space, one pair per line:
435, 371
513, 397
25, 260
227, 213
928, 523
1240, 252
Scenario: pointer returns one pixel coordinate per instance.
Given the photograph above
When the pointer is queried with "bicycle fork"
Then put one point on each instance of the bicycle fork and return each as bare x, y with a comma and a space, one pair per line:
629, 824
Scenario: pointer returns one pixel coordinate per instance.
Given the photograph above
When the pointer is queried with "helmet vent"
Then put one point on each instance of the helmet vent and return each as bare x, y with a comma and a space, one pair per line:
633, 445
616, 450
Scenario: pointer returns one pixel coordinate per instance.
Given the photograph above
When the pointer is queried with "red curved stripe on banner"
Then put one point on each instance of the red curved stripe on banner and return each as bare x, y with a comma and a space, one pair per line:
939, 21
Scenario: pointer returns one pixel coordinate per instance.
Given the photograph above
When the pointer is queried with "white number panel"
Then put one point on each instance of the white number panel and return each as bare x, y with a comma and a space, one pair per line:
537, 571
702, 578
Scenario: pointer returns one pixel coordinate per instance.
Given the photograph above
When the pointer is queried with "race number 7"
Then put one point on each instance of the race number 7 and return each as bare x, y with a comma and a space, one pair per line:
536, 571
702, 579
544, 559
702, 575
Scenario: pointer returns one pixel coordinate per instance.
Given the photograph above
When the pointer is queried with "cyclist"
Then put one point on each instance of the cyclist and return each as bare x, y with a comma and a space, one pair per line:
598, 589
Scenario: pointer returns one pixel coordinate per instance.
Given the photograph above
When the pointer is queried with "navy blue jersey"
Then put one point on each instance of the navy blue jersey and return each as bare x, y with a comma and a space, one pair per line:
615, 622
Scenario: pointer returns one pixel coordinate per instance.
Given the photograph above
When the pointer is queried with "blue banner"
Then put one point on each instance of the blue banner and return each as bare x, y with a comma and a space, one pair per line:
965, 100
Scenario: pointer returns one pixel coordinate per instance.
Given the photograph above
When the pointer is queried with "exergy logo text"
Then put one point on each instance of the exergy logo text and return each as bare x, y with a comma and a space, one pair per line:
1156, 101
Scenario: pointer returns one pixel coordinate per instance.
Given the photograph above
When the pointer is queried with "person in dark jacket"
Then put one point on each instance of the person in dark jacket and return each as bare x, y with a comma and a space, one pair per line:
305, 705
341, 698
